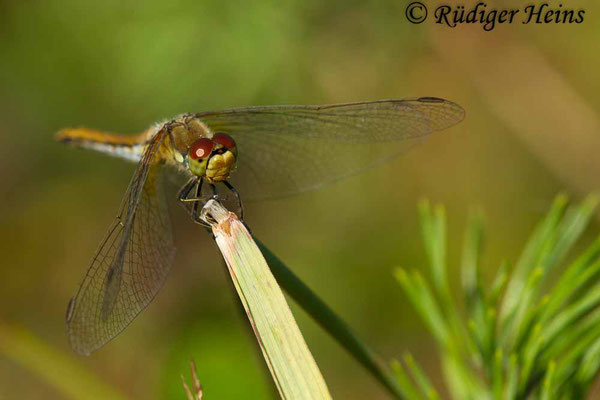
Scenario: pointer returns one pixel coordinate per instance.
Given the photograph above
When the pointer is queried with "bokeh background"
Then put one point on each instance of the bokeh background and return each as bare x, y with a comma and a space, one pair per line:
532, 96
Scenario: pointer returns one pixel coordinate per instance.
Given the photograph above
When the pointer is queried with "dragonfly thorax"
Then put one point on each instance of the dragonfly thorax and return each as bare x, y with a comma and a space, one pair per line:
212, 159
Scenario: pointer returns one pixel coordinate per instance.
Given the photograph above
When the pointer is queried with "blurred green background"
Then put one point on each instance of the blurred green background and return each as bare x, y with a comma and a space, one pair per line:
532, 130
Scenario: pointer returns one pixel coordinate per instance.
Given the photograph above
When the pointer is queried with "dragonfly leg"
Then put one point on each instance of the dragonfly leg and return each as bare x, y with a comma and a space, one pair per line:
185, 190
237, 196
186, 196
197, 200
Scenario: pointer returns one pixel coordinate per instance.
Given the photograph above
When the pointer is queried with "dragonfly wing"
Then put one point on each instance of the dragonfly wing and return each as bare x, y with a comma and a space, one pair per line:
131, 264
288, 149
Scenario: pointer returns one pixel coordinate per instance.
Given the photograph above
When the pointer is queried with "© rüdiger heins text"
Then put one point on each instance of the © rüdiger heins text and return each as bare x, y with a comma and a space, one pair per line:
542, 13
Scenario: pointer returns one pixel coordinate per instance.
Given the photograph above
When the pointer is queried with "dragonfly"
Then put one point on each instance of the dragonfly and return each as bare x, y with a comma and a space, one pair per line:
257, 153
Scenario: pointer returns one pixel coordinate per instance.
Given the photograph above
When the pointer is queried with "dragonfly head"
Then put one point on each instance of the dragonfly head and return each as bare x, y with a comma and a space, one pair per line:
213, 158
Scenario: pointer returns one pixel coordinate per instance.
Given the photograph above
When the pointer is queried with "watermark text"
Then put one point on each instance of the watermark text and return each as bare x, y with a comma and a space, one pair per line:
490, 17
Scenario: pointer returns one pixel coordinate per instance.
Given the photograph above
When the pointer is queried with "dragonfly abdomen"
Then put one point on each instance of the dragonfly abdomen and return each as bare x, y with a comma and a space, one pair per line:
129, 147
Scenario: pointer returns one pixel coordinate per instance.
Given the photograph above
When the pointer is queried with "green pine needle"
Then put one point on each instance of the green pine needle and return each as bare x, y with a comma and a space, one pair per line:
531, 334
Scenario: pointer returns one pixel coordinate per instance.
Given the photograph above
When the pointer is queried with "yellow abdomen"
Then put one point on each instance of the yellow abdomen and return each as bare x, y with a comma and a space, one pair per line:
129, 147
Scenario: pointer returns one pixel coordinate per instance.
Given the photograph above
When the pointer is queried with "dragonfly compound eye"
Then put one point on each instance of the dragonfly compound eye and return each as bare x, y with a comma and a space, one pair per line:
201, 149
224, 140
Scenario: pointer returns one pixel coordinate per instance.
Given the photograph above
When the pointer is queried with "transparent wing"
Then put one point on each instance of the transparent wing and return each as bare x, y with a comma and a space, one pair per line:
288, 149
131, 264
